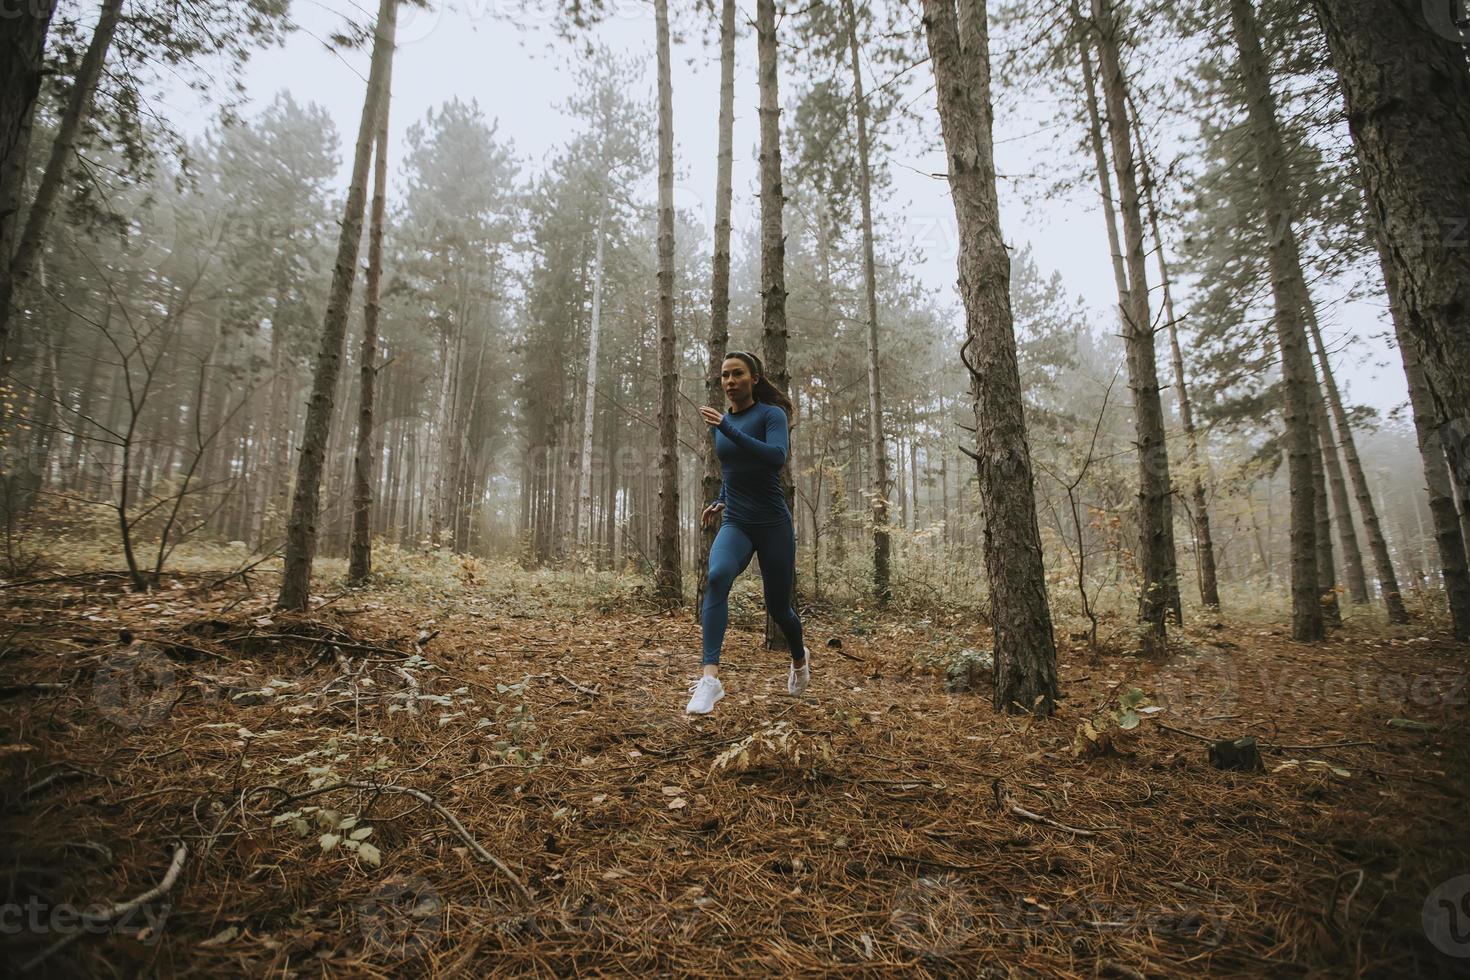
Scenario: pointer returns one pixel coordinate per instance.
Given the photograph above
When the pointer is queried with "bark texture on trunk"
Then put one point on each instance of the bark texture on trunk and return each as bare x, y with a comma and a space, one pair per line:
1159, 585
22, 45
719, 321
1323, 490
1449, 536
882, 546
669, 581
1025, 650
1335, 486
1289, 297
1204, 540
1388, 582
364, 460
1407, 92
16, 270
589, 409
773, 243
301, 531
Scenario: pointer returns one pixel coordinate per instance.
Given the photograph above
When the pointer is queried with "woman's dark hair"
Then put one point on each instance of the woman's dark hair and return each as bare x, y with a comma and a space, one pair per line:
764, 391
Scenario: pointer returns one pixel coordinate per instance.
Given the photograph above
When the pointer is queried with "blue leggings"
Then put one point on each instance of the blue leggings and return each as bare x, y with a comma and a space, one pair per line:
728, 557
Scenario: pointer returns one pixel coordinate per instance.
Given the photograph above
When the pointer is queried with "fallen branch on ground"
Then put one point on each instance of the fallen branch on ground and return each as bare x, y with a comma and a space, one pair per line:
55, 777
591, 692
1026, 814
423, 797
117, 911
1008, 803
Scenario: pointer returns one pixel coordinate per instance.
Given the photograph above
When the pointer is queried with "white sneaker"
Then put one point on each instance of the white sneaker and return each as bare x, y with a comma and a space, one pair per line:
704, 693
800, 677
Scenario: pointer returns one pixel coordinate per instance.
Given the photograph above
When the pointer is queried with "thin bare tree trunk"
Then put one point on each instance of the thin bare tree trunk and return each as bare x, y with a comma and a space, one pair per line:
1159, 588
16, 272
719, 322
1204, 541
610, 492
1025, 650
1100, 161
882, 546
1382, 562
669, 578
584, 522
440, 447
1352, 556
1289, 294
301, 533
360, 549
277, 418
773, 243
1326, 487
467, 479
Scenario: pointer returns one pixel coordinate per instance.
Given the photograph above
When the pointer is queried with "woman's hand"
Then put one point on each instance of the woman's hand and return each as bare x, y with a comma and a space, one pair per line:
711, 415
707, 519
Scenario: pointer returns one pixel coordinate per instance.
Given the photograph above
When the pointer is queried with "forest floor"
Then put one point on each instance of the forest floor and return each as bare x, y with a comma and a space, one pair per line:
476, 781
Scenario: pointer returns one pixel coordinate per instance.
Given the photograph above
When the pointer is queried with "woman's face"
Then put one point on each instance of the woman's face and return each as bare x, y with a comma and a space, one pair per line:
736, 377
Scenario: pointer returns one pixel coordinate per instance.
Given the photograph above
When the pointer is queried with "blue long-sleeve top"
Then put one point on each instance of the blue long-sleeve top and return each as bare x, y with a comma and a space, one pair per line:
751, 445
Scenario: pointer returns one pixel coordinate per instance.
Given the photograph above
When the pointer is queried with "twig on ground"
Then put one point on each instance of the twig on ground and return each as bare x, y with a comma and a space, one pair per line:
1306, 748
1024, 813
417, 794
117, 911
396, 654
1181, 731
591, 692
55, 777
40, 687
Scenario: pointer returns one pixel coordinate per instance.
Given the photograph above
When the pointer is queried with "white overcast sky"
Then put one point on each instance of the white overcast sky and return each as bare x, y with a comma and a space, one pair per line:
519, 75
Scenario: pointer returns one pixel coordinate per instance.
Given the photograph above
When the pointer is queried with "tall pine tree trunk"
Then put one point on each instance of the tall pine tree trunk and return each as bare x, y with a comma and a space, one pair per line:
16, 270
360, 549
22, 45
1025, 650
669, 578
719, 321
1289, 295
584, 522
277, 419
301, 532
1449, 538
1382, 564
1407, 91
1327, 487
881, 543
1159, 587
1209, 588
1332, 485
1100, 161
773, 243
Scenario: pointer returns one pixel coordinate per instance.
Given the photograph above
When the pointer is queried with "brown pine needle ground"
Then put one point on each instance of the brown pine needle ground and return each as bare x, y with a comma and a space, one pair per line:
474, 785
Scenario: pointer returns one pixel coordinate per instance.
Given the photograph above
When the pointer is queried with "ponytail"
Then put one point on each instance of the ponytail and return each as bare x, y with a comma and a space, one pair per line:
766, 392
763, 390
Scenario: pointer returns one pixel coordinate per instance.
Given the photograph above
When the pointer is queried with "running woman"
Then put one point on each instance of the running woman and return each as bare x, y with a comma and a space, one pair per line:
751, 441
